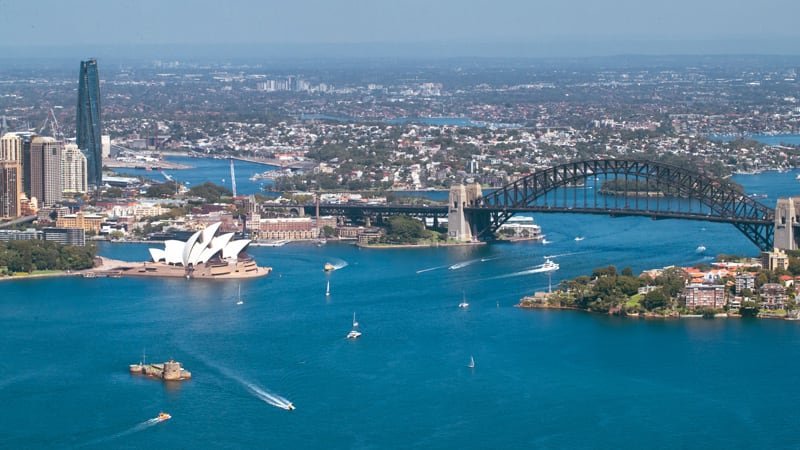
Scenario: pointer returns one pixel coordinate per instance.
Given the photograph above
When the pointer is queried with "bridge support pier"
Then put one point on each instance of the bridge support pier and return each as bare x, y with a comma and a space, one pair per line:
787, 218
461, 226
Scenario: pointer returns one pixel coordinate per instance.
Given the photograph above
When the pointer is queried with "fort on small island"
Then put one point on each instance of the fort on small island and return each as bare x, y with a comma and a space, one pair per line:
169, 371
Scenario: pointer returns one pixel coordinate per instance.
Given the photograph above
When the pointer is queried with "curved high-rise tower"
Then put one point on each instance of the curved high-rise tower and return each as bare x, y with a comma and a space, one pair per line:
88, 132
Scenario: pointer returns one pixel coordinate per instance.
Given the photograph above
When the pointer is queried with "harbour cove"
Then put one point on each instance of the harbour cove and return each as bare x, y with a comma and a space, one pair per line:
67, 343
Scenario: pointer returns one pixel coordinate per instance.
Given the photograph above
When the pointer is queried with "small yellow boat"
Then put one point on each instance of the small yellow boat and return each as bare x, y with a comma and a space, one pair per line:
163, 416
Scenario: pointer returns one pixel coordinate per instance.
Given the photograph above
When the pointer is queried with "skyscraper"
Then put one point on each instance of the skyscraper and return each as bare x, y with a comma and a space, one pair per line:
46, 170
88, 124
73, 170
10, 175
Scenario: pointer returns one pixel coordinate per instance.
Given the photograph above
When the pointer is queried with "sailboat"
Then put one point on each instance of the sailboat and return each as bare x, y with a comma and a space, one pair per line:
239, 301
354, 334
328, 289
471, 364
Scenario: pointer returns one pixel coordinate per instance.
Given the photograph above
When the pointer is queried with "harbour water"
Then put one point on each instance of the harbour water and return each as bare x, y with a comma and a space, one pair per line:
541, 378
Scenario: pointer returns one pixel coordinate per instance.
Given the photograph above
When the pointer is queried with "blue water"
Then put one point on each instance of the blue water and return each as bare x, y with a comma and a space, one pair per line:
217, 171
542, 378
439, 121
768, 139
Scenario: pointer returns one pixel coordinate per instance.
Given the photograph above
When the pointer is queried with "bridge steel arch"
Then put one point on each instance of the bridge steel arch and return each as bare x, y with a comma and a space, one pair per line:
722, 201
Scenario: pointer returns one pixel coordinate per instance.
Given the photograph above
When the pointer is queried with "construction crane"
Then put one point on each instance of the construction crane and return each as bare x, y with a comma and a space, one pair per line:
51, 119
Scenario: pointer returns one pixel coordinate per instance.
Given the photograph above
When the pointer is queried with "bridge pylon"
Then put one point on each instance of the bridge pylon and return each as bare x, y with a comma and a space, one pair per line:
461, 225
787, 218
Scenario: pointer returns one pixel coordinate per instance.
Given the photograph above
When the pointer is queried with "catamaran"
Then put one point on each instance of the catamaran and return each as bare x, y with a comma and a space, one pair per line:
354, 334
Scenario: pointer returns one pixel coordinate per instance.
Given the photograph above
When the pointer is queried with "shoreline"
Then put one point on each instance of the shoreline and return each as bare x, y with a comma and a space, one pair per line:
432, 245
534, 302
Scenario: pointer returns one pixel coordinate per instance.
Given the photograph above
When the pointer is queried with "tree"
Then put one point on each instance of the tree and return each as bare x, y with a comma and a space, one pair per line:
328, 231
405, 230
609, 271
211, 192
656, 298
749, 309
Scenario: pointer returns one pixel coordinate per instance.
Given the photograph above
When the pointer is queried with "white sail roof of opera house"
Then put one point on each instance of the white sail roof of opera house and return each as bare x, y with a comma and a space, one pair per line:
200, 247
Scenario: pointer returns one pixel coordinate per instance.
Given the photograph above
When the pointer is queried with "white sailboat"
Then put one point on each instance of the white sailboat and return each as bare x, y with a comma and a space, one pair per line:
328, 289
239, 300
355, 323
471, 364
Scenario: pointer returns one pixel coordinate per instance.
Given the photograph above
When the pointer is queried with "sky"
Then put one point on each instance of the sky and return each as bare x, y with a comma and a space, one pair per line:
466, 27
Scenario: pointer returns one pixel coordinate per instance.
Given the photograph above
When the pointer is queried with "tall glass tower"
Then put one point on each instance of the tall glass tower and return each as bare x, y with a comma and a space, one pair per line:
88, 122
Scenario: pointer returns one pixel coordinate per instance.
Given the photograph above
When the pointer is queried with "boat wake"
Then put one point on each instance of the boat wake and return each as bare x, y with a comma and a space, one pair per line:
431, 268
339, 264
135, 429
541, 268
259, 392
463, 264
267, 397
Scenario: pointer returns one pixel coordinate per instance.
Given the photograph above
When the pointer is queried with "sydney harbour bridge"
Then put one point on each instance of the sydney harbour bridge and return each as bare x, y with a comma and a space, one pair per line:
612, 187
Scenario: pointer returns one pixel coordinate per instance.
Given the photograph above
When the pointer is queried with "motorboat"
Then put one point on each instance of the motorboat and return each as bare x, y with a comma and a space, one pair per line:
353, 334
463, 304
163, 416
579, 238
700, 249
290, 406
329, 267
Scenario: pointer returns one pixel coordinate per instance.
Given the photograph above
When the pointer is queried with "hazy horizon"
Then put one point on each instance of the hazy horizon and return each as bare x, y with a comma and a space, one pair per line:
446, 28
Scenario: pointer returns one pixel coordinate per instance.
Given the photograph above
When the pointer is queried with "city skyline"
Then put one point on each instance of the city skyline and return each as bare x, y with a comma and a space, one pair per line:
446, 28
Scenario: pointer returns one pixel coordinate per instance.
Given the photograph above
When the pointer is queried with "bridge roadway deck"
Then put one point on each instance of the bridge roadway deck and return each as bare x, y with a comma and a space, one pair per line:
441, 211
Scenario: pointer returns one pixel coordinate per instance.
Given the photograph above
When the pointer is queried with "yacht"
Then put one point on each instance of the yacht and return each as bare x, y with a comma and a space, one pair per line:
549, 266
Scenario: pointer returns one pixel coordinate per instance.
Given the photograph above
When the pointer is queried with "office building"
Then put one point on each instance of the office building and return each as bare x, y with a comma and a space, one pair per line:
73, 170
10, 175
45, 170
66, 236
10, 189
88, 125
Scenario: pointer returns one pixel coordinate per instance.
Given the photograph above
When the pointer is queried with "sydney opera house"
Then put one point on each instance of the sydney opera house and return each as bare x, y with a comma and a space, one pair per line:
204, 255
